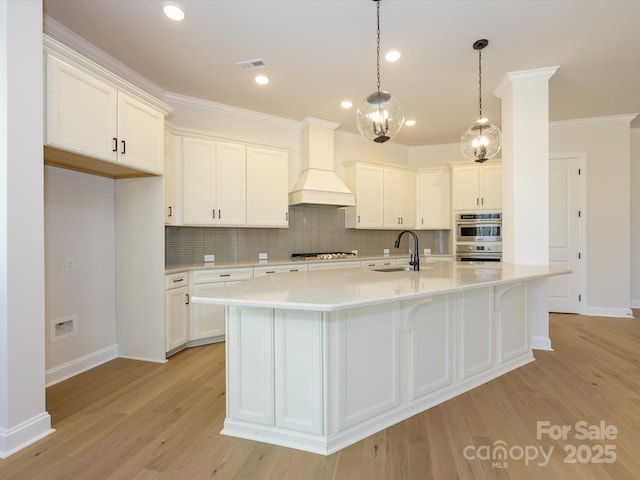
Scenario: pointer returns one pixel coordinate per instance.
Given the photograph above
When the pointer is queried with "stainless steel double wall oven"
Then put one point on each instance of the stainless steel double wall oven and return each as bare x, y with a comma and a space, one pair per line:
479, 237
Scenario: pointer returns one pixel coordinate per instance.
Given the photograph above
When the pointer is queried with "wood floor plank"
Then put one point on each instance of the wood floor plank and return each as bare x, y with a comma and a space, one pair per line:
145, 421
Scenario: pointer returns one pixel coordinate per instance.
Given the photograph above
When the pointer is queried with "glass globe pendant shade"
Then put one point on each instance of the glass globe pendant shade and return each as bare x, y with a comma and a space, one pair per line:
481, 142
379, 117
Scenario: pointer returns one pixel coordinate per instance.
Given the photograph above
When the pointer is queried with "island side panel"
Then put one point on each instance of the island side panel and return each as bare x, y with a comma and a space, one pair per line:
512, 322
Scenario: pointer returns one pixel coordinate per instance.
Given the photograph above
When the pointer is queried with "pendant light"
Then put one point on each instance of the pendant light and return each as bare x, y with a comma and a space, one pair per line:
379, 116
483, 140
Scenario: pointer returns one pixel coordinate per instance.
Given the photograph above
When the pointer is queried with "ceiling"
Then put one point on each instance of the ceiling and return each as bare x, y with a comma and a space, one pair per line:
320, 52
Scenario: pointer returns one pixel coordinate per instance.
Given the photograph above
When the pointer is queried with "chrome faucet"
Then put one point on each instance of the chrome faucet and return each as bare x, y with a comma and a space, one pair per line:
414, 260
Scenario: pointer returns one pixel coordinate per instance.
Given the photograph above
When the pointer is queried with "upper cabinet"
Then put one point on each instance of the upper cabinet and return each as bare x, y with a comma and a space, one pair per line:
398, 199
367, 182
221, 183
267, 187
477, 187
92, 115
385, 197
433, 199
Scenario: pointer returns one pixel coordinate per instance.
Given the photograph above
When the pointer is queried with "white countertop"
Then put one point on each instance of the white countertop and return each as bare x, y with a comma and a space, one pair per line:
330, 290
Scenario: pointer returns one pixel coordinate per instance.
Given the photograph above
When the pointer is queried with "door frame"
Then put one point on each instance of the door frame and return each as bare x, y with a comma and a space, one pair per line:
581, 271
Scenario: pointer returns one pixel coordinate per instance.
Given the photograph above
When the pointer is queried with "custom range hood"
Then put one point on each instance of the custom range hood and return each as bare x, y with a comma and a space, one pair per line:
318, 183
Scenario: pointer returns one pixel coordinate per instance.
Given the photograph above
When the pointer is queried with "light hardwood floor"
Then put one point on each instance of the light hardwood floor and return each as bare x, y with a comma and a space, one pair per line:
145, 421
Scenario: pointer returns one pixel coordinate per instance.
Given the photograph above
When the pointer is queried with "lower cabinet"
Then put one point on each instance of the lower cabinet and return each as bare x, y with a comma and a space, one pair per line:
176, 311
207, 321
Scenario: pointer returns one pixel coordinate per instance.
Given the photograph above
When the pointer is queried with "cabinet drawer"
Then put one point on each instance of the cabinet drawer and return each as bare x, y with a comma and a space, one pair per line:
262, 271
175, 280
215, 275
378, 263
330, 265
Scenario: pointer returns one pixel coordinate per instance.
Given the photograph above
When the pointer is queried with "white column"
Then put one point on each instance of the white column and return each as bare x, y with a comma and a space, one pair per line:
525, 183
23, 416
525, 166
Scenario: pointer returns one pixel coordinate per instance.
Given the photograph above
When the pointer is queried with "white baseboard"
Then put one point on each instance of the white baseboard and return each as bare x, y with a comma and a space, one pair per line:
26, 433
79, 365
635, 303
142, 359
609, 312
541, 343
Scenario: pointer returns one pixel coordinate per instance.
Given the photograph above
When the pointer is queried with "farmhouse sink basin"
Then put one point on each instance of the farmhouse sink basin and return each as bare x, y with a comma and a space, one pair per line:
404, 268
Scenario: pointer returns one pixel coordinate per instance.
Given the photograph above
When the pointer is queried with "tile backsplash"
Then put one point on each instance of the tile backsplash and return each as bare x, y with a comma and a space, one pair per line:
311, 229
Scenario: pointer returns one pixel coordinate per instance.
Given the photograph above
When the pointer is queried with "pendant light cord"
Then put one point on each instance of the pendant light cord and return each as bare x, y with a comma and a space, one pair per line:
480, 79
378, 43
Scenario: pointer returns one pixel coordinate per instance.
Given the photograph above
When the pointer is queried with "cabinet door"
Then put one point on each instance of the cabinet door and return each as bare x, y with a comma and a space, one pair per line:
81, 112
198, 163
267, 187
406, 199
390, 205
434, 200
140, 135
369, 196
491, 186
465, 188
206, 320
230, 184
170, 187
177, 318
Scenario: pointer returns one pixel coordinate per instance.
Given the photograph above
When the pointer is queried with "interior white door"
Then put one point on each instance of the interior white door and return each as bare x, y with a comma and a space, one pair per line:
566, 212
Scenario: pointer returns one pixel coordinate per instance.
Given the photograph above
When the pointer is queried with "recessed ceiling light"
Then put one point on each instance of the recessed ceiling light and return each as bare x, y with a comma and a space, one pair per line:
410, 123
173, 11
346, 104
262, 79
392, 55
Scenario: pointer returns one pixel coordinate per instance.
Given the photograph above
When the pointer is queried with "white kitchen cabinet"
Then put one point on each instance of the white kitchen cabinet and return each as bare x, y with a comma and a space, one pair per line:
398, 199
89, 116
367, 182
433, 199
213, 182
176, 311
267, 187
207, 322
477, 187
333, 265
270, 270
172, 177
378, 263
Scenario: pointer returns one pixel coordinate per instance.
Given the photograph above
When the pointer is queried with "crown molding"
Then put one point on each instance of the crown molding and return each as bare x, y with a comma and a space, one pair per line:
62, 34
319, 122
594, 121
224, 137
523, 76
180, 99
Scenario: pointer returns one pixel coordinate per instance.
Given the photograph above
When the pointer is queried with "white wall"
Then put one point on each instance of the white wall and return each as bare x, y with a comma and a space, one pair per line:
435, 155
23, 416
635, 218
79, 223
606, 142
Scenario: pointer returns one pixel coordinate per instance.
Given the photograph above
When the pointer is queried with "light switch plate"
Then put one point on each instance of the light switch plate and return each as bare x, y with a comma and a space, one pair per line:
263, 256
209, 258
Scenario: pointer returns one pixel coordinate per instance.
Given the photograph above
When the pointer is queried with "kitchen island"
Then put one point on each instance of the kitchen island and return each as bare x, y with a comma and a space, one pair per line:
318, 360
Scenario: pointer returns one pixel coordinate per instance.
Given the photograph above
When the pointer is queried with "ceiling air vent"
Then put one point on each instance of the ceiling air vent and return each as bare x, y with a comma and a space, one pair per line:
252, 64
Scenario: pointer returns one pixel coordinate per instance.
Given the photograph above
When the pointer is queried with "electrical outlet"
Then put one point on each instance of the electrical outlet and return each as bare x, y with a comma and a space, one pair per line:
70, 264
386, 252
209, 258
427, 251
355, 252
263, 256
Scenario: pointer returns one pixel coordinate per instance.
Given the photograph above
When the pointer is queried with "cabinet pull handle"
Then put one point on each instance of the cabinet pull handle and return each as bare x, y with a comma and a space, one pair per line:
401, 220
477, 201
213, 213
225, 274
178, 280
358, 218
186, 297
422, 221
170, 211
124, 147
286, 216
294, 270
115, 144
482, 201
398, 220
271, 271
219, 214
